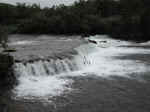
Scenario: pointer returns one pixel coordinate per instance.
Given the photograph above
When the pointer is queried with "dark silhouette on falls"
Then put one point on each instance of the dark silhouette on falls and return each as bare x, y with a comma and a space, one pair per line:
124, 19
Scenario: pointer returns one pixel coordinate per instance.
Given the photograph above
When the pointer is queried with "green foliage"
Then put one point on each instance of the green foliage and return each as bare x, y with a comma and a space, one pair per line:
127, 19
81, 17
3, 34
145, 24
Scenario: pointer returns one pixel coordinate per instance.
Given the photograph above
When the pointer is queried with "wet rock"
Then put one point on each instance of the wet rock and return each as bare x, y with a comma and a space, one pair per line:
7, 77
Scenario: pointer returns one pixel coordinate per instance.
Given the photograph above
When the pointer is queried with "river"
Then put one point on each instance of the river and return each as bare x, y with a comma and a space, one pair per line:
106, 76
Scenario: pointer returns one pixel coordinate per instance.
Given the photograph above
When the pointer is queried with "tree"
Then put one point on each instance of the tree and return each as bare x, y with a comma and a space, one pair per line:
3, 37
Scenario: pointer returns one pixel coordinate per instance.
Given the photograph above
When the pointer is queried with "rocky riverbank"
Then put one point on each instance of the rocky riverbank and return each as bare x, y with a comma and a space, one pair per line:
7, 80
6, 71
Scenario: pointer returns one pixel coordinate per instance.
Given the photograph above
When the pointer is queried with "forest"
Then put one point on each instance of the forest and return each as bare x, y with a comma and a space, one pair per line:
124, 19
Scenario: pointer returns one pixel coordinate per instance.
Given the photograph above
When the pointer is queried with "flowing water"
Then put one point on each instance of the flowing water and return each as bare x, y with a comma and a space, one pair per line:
45, 79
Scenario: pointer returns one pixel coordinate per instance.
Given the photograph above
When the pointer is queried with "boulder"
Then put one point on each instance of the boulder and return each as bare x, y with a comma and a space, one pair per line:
7, 77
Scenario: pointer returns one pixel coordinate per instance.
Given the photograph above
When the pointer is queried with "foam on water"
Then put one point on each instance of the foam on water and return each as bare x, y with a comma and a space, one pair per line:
41, 79
48, 78
100, 61
23, 42
104, 64
40, 87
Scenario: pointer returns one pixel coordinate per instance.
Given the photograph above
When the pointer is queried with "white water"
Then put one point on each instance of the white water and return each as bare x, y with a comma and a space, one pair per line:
23, 42
41, 79
45, 79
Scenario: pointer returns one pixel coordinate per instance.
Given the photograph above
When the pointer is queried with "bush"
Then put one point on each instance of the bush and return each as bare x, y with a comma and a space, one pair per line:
4, 36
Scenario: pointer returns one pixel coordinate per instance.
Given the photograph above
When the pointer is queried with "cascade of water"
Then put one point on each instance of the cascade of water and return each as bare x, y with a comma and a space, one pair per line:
41, 68
42, 78
91, 58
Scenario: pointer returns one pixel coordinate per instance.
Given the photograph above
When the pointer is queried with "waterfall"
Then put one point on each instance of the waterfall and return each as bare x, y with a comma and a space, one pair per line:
48, 78
46, 68
43, 79
57, 66
40, 79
